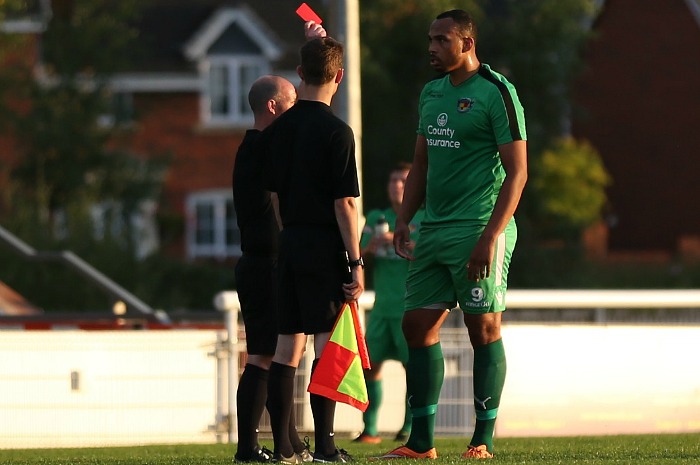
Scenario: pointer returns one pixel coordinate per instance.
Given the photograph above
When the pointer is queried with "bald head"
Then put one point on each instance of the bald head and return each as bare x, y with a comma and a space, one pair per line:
269, 97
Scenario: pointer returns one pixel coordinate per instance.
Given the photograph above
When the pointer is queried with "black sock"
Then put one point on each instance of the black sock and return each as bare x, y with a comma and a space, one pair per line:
323, 410
250, 402
297, 444
280, 401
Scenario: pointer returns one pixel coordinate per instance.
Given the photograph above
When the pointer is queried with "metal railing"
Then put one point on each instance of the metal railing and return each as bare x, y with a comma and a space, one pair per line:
86, 270
604, 306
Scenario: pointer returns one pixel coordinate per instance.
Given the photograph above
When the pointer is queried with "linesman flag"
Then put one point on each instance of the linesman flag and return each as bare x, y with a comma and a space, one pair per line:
339, 373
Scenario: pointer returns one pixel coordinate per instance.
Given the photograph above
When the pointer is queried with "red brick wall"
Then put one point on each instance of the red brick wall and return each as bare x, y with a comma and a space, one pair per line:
202, 158
637, 103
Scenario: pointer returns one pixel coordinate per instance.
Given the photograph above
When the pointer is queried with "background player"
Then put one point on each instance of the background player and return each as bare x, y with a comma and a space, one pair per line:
385, 339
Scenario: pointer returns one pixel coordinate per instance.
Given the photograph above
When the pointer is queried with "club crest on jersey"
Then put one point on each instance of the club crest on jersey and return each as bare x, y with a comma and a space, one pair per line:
465, 104
442, 119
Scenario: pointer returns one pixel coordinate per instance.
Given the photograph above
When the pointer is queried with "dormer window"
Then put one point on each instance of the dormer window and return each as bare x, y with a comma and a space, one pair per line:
232, 49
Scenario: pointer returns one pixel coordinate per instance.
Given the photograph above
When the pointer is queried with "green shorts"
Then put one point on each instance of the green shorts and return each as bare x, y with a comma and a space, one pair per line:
385, 339
439, 273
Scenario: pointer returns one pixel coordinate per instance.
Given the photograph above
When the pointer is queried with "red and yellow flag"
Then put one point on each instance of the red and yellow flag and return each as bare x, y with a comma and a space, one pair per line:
339, 373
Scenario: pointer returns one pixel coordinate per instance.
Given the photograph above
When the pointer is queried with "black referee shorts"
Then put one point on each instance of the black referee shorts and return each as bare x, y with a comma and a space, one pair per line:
312, 269
256, 282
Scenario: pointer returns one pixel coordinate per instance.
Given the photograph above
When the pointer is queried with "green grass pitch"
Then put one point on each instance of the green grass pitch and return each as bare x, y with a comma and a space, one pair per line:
665, 449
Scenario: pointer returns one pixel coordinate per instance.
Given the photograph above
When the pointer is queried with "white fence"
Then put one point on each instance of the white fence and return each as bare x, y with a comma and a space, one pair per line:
89, 388
95, 388
566, 380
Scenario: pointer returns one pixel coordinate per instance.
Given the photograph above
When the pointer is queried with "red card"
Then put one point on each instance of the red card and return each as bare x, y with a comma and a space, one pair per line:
307, 14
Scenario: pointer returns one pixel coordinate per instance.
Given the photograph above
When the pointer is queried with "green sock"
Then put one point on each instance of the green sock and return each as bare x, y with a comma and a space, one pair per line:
407, 417
489, 378
374, 394
425, 372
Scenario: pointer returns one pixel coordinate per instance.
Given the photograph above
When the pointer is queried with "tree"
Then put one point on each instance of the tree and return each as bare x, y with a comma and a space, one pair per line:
540, 47
53, 107
570, 180
537, 44
65, 163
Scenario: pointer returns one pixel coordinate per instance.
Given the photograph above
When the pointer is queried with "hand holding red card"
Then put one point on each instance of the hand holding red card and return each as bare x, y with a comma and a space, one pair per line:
307, 14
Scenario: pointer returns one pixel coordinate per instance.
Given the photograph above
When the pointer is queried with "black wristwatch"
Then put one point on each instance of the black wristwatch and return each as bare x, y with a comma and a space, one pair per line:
356, 263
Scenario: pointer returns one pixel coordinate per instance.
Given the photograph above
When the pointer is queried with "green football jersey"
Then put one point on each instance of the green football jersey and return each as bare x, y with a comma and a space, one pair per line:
463, 126
390, 270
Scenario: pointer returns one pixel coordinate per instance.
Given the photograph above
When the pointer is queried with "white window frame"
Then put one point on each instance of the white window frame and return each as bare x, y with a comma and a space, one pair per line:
218, 247
236, 90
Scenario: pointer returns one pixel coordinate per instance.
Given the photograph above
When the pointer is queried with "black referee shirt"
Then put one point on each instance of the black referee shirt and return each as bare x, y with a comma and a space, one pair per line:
311, 156
254, 211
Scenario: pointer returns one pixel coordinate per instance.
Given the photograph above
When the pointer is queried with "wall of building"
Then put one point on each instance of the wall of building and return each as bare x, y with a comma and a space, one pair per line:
635, 104
201, 158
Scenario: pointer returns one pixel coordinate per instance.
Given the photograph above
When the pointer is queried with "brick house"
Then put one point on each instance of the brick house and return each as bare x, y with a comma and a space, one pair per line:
636, 105
189, 91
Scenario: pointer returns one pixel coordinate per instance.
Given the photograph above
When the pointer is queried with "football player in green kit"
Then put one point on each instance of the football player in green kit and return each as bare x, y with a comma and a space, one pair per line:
385, 340
470, 168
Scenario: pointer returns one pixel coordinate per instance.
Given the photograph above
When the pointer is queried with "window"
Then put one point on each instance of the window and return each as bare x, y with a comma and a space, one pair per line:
229, 80
212, 230
121, 111
108, 221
